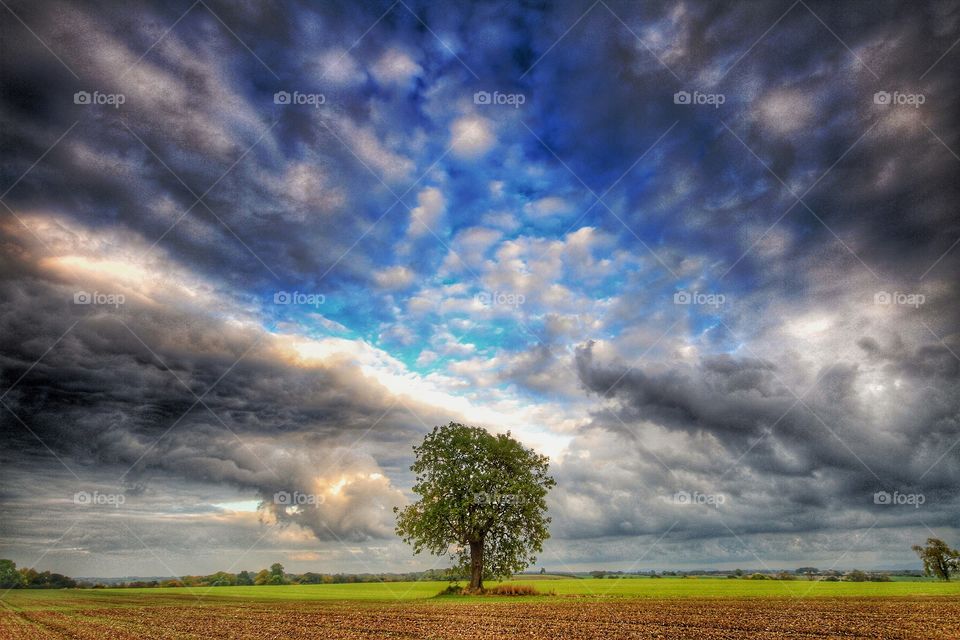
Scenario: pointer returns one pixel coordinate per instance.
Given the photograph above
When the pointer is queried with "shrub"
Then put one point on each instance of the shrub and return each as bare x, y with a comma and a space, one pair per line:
499, 590
758, 576
856, 576
514, 590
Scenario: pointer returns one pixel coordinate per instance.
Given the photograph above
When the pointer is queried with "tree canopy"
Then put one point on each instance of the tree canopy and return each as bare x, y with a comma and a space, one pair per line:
482, 501
938, 558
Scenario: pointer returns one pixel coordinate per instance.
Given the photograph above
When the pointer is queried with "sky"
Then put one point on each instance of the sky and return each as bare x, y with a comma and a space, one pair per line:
703, 255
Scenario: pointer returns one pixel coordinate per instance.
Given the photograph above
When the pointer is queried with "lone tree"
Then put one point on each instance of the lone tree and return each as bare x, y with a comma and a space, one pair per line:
938, 559
482, 501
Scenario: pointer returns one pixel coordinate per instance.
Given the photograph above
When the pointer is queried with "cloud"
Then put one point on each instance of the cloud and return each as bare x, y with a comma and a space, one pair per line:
471, 137
397, 277
426, 216
395, 68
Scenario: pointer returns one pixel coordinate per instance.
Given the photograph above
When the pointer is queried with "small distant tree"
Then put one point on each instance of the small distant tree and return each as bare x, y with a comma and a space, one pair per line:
244, 578
938, 558
856, 576
482, 501
738, 572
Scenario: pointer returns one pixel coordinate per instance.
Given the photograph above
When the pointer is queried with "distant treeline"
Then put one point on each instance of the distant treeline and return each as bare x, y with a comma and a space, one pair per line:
13, 578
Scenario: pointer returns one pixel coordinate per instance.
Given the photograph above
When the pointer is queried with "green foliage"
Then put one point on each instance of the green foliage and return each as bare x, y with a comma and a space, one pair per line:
478, 492
32, 579
10, 578
939, 560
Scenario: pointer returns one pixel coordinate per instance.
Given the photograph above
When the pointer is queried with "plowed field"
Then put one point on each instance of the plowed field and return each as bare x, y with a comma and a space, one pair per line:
577, 618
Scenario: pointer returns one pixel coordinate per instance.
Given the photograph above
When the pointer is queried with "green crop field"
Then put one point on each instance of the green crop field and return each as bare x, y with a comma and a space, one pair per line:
428, 591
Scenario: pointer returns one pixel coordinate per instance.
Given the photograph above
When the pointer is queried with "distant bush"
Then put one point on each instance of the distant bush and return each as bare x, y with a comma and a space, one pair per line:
830, 579
731, 577
759, 576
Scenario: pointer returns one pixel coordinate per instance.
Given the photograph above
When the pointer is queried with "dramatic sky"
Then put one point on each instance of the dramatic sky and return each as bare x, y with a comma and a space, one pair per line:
703, 255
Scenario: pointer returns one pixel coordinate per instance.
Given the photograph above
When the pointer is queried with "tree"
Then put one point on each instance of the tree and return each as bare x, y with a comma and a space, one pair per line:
9, 576
482, 501
938, 559
276, 574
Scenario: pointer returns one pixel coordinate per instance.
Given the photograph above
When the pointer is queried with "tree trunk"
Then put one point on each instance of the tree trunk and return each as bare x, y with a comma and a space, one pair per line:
476, 564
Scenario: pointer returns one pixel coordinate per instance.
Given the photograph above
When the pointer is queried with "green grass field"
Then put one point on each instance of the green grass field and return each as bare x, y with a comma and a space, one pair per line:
669, 588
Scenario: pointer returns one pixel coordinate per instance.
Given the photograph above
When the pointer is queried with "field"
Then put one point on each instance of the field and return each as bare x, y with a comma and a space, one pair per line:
585, 608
